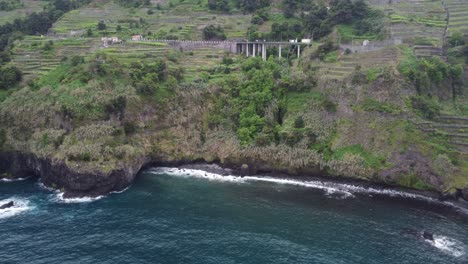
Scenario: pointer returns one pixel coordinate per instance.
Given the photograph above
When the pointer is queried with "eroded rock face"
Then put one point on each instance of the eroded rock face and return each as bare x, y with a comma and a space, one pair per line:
465, 194
72, 181
412, 162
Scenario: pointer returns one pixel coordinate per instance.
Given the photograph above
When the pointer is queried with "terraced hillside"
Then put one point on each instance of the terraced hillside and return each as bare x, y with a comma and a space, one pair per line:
415, 21
201, 60
455, 128
346, 64
28, 7
183, 20
76, 22
458, 12
137, 51
37, 55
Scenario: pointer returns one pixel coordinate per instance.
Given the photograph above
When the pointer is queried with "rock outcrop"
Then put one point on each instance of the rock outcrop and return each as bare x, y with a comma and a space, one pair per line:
72, 181
7, 205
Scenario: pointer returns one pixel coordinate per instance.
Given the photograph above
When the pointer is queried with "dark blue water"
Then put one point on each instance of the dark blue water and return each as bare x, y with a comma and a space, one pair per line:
172, 219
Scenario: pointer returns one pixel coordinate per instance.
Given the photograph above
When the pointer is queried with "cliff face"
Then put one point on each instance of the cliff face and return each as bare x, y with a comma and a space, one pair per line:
71, 180
93, 139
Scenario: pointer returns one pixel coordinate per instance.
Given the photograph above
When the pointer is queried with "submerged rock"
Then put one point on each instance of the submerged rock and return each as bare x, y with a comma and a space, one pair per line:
7, 205
428, 236
415, 233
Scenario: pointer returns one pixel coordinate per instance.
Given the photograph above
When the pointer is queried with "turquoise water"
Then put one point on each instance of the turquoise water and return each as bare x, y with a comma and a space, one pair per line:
171, 216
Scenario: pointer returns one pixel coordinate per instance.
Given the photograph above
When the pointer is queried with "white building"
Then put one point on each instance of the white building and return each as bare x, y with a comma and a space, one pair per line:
137, 37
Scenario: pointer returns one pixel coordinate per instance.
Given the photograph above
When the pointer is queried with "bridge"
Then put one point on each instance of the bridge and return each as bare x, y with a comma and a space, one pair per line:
248, 48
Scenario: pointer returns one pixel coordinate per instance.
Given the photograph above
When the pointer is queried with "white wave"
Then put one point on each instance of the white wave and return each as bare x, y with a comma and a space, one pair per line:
325, 186
58, 197
197, 174
331, 189
121, 191
13, 180
44, 187
20, 206
448, 245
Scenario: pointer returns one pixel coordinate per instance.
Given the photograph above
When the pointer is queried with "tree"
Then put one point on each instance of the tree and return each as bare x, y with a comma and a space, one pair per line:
250, 6
299, 122
9, 77
101, 25
213, 32
456, 39
219, 5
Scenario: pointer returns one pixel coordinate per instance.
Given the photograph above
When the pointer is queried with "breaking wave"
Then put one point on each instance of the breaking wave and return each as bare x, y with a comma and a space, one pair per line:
448, 245
58, 198
20, 206
13, 180
332, 189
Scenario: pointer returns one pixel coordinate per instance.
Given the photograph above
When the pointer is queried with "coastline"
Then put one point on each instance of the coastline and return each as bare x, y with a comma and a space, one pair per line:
76, 185
428, 199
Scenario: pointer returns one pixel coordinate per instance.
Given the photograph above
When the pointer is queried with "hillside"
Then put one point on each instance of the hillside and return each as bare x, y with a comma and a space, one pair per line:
86, 114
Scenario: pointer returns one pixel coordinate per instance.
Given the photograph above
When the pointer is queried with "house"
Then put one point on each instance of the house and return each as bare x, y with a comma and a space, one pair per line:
110, 40
137, 37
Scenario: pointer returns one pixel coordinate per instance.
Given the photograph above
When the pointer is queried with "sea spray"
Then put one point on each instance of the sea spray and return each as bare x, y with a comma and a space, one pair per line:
20, 205
448, 245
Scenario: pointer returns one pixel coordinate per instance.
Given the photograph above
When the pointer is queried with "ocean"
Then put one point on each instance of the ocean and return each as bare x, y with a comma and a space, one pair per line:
172, 215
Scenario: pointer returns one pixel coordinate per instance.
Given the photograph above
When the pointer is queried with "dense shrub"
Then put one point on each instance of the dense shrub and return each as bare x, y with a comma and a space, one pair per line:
101, 25
9, 77
456, 39
316, 20
37, 23
299, 122
213, 32
8, 5
255, 104
427, 108
134, 3
250, 6
219, 5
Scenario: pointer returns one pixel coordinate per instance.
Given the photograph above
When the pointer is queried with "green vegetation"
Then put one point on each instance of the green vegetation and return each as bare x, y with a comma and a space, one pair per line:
412, 181
8, 5
370, 104
249, 102
427, 72
424, 21
9, 77
100, 107
370, 160
425, 107
212, 32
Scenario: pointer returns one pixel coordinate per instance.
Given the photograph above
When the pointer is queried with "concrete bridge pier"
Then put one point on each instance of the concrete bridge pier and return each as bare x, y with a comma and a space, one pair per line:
264, 52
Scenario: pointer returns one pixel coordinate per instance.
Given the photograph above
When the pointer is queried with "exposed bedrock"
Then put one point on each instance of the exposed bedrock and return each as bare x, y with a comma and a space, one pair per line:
73, 181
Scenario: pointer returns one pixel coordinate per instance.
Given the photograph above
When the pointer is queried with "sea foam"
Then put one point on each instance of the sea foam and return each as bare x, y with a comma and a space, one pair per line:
13, 180
448, 245
331, 189
58, 198
20, 206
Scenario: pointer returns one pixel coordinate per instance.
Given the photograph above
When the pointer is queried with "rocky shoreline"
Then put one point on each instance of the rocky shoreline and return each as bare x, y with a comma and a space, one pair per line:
75, 183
